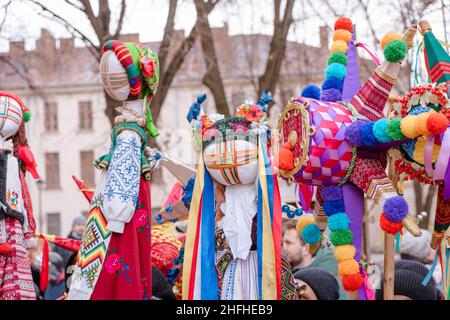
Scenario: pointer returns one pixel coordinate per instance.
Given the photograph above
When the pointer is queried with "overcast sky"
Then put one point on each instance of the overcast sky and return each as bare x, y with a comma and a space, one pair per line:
148, 18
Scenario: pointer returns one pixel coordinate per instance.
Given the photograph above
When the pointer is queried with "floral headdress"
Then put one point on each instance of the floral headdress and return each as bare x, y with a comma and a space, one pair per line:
249, 123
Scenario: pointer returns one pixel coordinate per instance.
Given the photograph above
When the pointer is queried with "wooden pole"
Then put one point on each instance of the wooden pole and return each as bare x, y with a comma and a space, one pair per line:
389, 253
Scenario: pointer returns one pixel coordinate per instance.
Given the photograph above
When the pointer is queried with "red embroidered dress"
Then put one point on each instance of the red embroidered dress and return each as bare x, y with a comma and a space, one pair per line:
114, 259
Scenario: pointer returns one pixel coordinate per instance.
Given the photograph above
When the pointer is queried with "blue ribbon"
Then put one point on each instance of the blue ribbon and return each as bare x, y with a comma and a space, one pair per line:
195, 108
430, 273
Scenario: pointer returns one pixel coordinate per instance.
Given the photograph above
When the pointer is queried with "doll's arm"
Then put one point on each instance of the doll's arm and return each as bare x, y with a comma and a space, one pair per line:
122, 181
29, 225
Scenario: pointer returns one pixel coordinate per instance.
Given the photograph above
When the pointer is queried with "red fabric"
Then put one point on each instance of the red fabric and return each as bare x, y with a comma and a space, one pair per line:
365, 171
131, 278
175, 194
29, 233
15, 271
88, 193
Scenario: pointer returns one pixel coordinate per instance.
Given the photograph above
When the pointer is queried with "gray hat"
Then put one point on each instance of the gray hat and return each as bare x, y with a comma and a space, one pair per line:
323, 283
78, 221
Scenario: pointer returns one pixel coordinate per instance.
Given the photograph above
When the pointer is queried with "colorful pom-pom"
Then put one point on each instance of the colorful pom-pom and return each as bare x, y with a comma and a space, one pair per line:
393, 129
437, 123
408, 127
311, 234
338, 57
331, 95
421, 123
348, 267
343, 35
341, 237
388, 37
331, 193
395, 51
343, 23
27, 116
5, 249
338, 221
285, 160
336, 70
395, 209
339, 46
333, 83
333, 207
353, 133
345, 252
389, 226
304, 221
367, 136
380, 131
311, 91
352, 282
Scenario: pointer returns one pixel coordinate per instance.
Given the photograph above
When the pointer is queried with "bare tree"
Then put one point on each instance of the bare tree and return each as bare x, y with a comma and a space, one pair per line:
212, 78
105, 29
282, 23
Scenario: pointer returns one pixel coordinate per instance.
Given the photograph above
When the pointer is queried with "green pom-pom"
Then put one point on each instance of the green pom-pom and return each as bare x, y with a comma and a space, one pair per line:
27, 116
393, 129
338, 57
341, 237
395, 51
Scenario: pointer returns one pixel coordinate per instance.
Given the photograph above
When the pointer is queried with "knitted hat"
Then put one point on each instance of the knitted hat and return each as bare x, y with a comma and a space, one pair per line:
416, 247
323, 283
408, 281
130, 72
78, 221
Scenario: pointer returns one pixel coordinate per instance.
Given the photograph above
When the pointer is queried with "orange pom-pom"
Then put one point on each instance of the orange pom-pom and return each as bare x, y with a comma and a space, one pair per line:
339, 46
5, 248
422, 124
345, 252
343, 23
285, 159
352, 282
348, 267
409, 126
342, 34
389, 226
388, 37
437, 123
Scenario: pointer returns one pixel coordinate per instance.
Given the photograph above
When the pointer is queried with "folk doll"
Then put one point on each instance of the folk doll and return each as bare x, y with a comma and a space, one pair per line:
114, 259
17, 225
336, 138
233, 243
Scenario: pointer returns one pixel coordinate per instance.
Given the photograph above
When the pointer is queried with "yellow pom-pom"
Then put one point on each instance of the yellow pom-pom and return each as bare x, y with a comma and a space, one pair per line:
419, 150
345, 252
342, 34
422, 128
348, 267
303, 221
388, 37
339, 45
409, 126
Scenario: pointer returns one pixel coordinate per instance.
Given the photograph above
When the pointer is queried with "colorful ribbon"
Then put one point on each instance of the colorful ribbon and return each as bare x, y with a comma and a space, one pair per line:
369, 52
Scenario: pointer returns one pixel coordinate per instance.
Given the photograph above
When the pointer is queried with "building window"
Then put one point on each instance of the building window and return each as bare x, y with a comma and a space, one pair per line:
52, 170
54, 224
51, 116
85, 110
237, 99
87, 169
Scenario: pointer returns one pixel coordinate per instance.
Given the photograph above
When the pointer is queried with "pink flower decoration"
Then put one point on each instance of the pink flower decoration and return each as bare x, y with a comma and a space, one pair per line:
112, 263
148, 69
141, 218
240, 128
255, 114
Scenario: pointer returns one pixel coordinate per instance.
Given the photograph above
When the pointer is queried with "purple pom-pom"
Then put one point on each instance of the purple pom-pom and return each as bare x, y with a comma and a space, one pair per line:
311, 91
331, 95
395, 209
331, 193
333, 207
367, 136
353, 133
333, 82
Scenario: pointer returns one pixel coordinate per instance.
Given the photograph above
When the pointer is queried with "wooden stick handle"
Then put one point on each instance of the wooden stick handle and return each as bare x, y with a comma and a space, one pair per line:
389, 254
